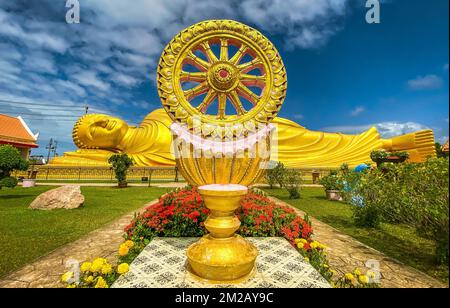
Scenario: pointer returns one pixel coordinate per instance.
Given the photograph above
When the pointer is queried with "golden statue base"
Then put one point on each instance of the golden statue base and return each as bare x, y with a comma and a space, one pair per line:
221, 255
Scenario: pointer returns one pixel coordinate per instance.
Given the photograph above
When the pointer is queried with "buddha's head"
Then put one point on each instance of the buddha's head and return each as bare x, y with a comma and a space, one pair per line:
94, 131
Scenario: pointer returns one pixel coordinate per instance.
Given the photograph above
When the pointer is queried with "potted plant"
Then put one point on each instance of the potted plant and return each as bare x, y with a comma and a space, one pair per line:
382, 156
120, 163
332, 185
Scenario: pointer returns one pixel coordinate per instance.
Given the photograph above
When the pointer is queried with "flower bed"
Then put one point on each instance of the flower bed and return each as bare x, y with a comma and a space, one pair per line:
182, 213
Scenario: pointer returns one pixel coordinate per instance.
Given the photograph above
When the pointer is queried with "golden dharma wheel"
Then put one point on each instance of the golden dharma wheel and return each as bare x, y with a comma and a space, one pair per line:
221, 75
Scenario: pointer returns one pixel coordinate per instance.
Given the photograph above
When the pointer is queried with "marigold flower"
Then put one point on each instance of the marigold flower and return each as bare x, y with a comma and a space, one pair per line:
357, 272
123, 268
89, 279
71, 286
364, 279
129, 244
349, 276
66, 276
97, 265
106, 269
85, 267
101, 283
307, 259
123, 250
300, 245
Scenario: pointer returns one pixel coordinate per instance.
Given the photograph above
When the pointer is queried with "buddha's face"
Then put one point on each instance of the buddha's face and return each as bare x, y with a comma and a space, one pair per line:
102, 131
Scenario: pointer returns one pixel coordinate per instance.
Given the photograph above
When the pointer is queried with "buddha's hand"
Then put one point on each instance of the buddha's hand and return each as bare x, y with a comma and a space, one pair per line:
99, 131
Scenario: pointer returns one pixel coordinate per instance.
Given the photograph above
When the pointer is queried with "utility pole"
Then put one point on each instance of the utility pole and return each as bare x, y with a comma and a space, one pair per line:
49, 147
54, 148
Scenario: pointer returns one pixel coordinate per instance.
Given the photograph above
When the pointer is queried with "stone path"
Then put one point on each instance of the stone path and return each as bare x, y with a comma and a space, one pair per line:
345, 254
46, 271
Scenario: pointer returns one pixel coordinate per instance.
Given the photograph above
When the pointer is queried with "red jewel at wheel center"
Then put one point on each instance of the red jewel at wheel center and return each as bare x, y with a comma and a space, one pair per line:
223, 73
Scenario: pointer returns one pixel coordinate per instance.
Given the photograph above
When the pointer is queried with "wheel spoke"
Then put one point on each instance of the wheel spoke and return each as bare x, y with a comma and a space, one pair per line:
195, 76
248, 94
223, 49
249, 66
222, 105
209, 98
197, 62
237, 104
239, 55
208, 52
198, 90
253, 80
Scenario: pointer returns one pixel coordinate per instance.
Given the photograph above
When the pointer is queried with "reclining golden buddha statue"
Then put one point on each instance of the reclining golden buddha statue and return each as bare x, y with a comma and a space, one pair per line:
98, 136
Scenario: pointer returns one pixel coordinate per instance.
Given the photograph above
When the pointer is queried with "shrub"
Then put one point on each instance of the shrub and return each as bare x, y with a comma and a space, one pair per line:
10, 160
120, 164
276, 174
412, 194
292, 180
331, 181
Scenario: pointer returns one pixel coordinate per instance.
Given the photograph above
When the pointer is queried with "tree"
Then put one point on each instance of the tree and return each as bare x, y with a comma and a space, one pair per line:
120, 164
276, 174
10, 160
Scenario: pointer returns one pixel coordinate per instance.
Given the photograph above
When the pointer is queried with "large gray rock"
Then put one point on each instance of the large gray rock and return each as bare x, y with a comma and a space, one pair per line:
65, 197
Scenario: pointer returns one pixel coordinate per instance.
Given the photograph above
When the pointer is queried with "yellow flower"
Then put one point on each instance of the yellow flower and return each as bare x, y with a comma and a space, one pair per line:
314, 245
300, 245
97, 265
101, 283
107, 269
129, 244
364, 279
86, 267
89, 279
349, 276
71, 286
66, 276
357, 272
123, 268
123, 250
307, 259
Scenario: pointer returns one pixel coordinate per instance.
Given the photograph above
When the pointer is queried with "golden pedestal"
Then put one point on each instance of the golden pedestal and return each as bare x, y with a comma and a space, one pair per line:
222, 255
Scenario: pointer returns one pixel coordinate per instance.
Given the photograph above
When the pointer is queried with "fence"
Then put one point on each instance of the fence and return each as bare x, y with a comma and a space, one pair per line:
53, 173
141, 174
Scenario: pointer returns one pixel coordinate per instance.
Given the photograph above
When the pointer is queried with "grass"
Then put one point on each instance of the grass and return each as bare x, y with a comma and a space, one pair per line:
397, 241
26, 235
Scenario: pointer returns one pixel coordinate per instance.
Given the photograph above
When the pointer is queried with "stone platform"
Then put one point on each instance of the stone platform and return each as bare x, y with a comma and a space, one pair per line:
162, 264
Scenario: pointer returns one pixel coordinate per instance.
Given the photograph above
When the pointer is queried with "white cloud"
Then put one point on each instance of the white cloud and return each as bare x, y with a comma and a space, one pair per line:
91, 79
299, 116
386, 129
428, 82
357, 111
445, 67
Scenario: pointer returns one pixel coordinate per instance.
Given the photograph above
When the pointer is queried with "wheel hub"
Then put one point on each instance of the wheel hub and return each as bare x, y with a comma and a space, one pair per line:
223, 77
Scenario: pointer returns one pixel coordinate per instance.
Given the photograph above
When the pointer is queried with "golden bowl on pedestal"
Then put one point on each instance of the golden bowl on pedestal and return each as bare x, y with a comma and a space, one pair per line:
206, 162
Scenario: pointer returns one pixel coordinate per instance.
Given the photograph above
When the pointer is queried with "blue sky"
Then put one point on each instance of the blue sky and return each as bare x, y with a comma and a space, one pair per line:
344, 74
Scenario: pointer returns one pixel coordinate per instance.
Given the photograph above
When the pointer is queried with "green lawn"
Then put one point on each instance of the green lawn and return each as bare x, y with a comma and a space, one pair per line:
26, 234
397, 241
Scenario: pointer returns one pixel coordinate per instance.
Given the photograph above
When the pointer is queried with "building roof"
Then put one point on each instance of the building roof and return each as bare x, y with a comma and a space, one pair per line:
16, 132
445, 147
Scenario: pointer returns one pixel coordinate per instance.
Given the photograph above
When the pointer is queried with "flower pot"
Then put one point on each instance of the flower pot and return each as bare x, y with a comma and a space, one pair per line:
333, 195
29, 183
123, 185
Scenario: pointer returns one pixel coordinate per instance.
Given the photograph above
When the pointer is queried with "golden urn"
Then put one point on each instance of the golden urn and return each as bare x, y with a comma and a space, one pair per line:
222, 83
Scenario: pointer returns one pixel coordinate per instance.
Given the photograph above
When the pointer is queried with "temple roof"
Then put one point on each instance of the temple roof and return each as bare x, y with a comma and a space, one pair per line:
445, 147
15, 131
